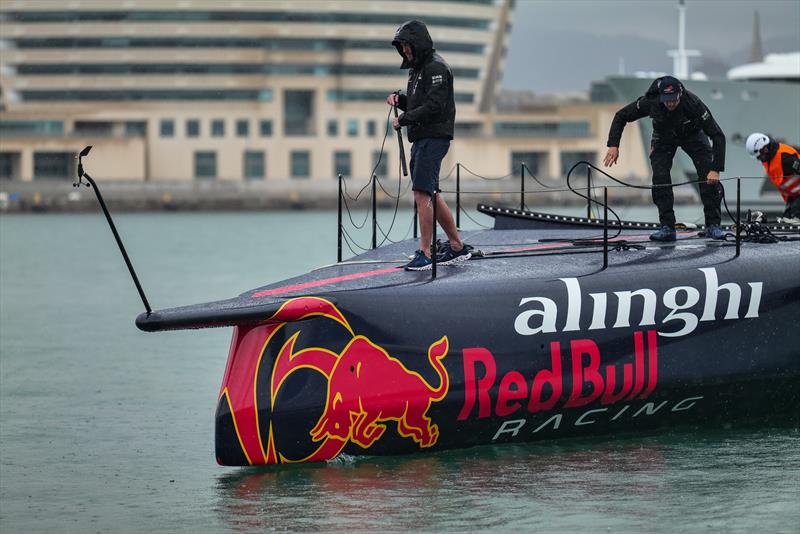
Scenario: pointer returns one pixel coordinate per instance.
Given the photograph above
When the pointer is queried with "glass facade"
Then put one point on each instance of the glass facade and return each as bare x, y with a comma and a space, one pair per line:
534, 162
242, 128
9, 165
218, 128
254, 167
281, 16
541, 129
54, 165
298, 112
569, 158
192, 128
135, 129
217, 69
167, 127
31, 128
205, 164
300, 163
145, 94
380, 162
342, 164
273, 44
348, 95
333, 128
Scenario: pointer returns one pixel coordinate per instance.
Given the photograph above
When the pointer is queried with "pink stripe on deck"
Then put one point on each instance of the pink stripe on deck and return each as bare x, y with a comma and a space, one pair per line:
324, 281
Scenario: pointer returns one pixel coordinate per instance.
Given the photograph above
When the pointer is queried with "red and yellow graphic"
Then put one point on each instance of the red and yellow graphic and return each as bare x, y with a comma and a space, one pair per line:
366, 387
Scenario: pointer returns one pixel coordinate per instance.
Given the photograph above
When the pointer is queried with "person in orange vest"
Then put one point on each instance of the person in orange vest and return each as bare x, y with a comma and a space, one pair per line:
782, 163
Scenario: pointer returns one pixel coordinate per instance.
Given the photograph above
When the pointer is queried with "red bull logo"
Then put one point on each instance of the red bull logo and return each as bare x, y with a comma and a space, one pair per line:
368, 390
368, 387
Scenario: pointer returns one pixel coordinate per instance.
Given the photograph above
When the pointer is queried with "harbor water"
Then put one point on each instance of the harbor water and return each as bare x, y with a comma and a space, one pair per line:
104, 428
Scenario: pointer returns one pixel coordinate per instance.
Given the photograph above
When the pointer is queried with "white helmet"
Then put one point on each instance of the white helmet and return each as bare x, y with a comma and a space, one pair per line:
755, 142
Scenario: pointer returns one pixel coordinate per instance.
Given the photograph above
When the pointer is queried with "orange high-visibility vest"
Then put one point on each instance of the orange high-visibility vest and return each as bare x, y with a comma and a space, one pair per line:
788, 186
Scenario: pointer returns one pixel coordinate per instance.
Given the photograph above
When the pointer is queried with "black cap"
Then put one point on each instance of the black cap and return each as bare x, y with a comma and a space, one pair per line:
669, 89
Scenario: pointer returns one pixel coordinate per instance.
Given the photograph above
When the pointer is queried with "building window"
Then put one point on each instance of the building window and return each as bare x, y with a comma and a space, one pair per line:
333, 128
192, 128
242, 128
468, 129
31, 128
532, 161
265, 128
254, 164
372, 128
541, 129
218, 128
382, 165
53, 165
342, 164
205, 164
352, 127
167, 128
135, 129
93, 128
568, 159
9, 165
298, 112
301, 164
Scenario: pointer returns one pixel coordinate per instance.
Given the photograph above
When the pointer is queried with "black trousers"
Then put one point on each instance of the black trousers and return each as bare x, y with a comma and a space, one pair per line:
792, 207
662, 152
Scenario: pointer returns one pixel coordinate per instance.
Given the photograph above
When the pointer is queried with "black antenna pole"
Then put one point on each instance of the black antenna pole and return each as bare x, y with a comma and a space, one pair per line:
81, 175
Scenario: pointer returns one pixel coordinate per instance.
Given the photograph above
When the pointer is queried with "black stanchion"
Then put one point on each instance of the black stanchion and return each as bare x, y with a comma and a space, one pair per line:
433, 238
339, 226
738, 216
374, 212
458, 195
588, 192
605, 227
416, 233
522, 187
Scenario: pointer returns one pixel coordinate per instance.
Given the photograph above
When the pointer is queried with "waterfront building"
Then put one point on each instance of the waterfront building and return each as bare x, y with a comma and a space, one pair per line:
265, 92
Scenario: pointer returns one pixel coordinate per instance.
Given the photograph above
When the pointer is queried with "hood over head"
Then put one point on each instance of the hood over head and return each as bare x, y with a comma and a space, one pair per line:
415, 33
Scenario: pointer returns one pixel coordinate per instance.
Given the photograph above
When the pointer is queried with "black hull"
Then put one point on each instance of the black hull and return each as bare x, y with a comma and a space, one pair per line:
533, 340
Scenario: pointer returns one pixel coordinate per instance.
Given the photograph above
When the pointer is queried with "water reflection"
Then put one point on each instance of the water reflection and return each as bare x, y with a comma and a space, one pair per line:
485, 487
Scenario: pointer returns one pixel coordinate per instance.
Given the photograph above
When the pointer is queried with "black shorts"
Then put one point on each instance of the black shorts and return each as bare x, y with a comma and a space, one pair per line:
426, 163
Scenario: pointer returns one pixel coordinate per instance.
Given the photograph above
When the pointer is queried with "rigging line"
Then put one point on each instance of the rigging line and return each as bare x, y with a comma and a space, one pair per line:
449, 174
390, 195
396, 206
530, 173
486, 177
351, 241
467, 215
350, 215
569, 175
380, 156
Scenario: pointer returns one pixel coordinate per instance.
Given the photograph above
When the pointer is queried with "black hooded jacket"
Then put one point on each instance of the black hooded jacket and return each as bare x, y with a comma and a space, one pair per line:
675, 126
429, 104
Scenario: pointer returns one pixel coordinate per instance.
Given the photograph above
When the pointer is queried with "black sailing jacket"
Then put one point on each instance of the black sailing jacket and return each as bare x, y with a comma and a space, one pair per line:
429, 105
675, 126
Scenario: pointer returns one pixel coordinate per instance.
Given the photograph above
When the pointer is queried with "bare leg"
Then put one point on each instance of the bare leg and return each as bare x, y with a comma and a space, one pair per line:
445, 218
425, 216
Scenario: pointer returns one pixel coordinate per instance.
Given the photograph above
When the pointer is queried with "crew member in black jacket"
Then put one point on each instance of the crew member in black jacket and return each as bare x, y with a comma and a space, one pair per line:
429, 114
680, 119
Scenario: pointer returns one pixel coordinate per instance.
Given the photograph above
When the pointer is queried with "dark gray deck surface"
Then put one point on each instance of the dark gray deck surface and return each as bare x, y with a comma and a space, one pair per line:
509, 255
